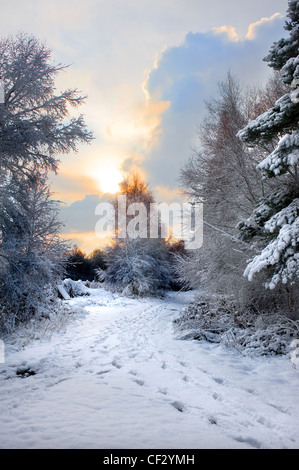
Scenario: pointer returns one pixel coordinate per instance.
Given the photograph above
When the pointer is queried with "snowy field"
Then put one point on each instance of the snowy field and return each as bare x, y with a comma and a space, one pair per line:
116, 377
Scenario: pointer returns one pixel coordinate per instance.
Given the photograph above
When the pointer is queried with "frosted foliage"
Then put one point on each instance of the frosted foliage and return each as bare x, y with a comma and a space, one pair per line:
36, 128
265, 209
280, 123
284, 156
136, 268
287, 216
286, 48
281, 254
278, 119
35, 123
290, 70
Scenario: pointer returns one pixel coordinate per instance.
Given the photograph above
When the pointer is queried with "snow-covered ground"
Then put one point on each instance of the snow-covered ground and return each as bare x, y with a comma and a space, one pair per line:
117, 378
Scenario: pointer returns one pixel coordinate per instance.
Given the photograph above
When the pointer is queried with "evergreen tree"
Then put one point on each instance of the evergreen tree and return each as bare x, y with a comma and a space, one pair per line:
275, 220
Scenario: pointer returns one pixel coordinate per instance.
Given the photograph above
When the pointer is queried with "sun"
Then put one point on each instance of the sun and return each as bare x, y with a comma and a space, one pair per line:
109, 179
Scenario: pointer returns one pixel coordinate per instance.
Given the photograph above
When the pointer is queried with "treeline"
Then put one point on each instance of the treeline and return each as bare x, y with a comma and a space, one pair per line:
140, 263
80, 266
245, 171
137, 263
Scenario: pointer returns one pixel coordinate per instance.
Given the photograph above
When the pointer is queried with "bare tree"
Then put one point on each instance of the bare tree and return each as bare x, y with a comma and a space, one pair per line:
222, 174
136, 265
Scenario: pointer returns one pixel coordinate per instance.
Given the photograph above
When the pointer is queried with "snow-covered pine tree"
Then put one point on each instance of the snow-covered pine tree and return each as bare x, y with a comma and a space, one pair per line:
275, 220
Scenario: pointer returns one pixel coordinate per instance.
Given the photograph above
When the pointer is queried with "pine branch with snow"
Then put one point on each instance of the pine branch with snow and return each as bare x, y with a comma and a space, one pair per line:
276, 217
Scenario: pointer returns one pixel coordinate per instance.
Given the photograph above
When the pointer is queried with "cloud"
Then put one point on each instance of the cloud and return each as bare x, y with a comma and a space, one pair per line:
87, 241
255, 29
69, 187
229, 31
80, 215
141, 117
168, 195
187, 75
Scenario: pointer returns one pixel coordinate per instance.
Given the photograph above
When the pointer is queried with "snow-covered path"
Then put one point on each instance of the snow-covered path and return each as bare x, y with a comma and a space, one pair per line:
118, 378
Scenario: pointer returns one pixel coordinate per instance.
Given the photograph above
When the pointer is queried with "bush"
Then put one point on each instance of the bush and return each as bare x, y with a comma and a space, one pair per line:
250, 332
137, 267
80, 266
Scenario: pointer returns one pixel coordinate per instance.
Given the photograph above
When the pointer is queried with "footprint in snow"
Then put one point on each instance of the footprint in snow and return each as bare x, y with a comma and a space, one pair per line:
212, 420
132, 355
250, 441
102, 372
162, 390
24, 371
218, 380
178, 406
216, 396
279, 408
139, 382
116, 364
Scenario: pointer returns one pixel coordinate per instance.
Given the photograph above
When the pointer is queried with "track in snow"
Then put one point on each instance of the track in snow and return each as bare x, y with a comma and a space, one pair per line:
118, 378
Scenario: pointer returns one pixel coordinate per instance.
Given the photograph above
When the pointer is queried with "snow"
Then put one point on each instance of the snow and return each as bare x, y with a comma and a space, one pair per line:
282, 252
117, 377
285, 155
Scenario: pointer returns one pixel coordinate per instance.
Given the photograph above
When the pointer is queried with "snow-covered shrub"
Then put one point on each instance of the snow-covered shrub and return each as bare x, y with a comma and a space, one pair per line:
31, 251
268, 334
251, 333
205, 320
75, 288
56, 317
136, 267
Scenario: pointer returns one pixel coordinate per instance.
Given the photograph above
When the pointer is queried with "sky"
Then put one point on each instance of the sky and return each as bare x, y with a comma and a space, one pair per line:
147, 68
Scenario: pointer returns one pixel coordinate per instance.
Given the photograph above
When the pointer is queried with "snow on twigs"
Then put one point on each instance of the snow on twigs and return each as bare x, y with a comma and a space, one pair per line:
222, 322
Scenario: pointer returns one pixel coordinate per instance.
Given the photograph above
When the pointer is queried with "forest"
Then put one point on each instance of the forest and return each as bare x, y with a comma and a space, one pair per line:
181, 335
243, 169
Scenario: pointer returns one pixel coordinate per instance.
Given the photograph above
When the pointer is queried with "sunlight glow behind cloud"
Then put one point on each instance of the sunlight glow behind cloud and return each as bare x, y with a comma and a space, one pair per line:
156, 134
255, 27
109, 179
147, 68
